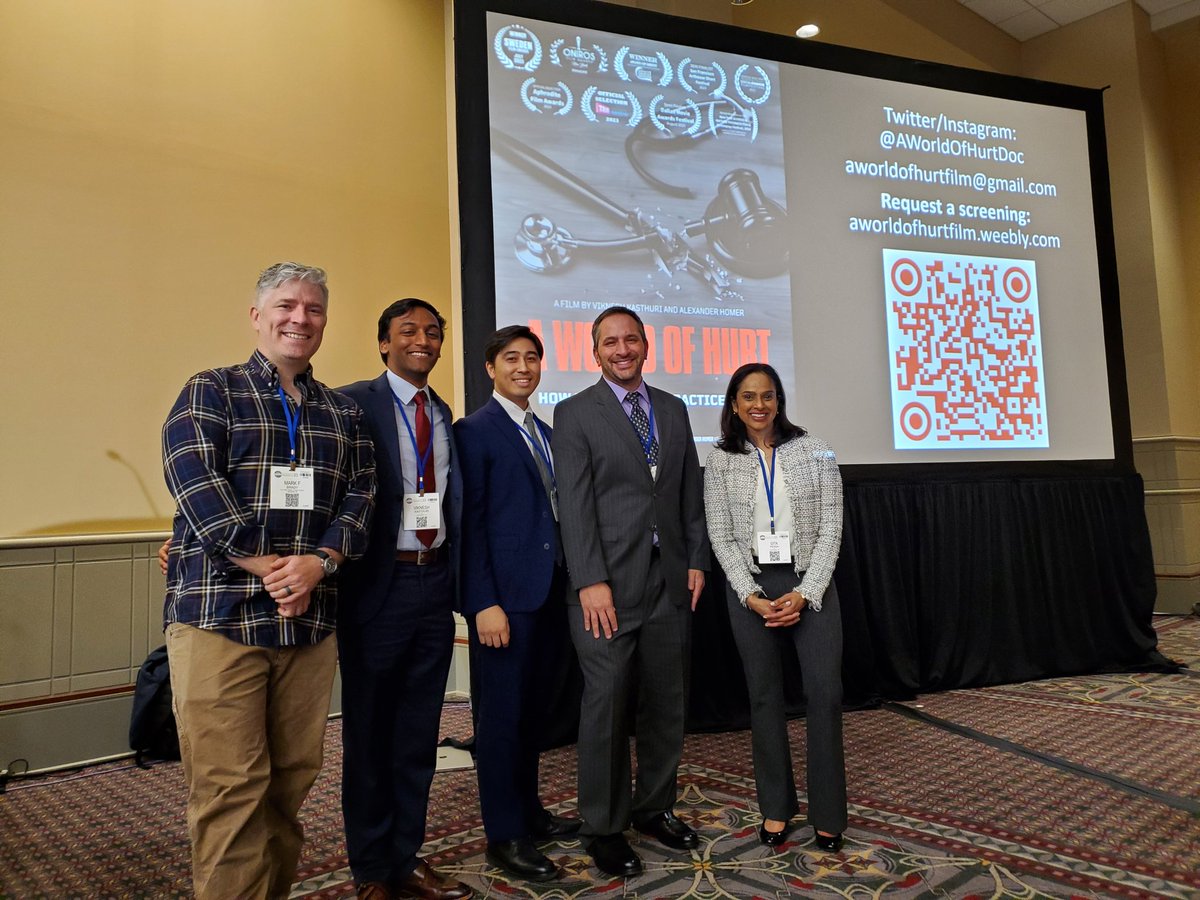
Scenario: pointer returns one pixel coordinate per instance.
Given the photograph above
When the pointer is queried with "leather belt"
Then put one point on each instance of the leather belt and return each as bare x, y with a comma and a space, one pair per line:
419, 557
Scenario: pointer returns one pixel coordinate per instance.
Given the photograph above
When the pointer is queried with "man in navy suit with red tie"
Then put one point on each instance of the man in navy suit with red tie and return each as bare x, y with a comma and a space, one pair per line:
395, 625
512, 588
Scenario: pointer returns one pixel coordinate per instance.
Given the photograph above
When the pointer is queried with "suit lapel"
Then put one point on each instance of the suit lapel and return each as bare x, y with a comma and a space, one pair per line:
503, 423
666, 425
384, 412
614, 413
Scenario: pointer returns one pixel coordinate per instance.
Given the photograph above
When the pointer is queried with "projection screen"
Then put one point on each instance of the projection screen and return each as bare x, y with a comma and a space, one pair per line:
920, 260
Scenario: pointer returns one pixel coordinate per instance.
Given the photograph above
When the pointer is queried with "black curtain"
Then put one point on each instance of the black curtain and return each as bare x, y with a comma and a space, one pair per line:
951, 584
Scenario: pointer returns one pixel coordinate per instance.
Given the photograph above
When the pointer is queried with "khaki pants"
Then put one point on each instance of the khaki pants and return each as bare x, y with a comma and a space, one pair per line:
251, 725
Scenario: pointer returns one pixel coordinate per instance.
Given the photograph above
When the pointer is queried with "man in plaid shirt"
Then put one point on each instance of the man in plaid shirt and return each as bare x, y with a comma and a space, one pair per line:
274, 479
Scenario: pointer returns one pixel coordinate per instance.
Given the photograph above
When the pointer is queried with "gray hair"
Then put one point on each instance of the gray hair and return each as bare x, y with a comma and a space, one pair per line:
283, 272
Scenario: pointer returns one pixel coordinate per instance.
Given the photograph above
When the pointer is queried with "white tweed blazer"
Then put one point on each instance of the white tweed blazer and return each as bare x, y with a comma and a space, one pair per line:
814, 487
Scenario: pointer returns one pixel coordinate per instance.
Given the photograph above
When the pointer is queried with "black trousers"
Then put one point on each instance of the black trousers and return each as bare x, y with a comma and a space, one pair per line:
817, 642
394, 670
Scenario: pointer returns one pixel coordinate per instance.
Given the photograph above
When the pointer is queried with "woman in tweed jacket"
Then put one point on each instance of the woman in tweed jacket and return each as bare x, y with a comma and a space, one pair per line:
775, 607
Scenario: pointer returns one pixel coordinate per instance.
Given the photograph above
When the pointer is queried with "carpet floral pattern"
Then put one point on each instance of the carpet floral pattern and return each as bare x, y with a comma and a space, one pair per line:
934, 813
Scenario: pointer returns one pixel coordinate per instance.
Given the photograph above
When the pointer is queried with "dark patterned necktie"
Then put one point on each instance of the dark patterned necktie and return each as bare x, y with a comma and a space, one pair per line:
543, 469
642, 426
424, 435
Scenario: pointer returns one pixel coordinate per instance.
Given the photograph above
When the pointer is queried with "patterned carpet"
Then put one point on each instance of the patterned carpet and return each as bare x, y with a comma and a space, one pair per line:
1078, 787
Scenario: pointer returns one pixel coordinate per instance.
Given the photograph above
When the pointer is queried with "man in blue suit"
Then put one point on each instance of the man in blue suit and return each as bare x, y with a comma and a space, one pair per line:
513, 585
395, 625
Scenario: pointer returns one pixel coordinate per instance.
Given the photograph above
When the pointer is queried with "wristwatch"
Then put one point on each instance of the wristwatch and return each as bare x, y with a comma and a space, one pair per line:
328, 563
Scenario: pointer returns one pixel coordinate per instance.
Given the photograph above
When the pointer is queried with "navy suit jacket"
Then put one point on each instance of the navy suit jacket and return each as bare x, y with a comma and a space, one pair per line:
366, 580
510, 534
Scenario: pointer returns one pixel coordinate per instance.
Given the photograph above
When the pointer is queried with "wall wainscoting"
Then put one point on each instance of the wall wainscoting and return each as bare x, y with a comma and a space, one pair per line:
78, 615
1170, 467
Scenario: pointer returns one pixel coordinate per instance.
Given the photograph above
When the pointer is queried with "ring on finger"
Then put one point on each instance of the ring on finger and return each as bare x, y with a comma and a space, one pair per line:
287, 590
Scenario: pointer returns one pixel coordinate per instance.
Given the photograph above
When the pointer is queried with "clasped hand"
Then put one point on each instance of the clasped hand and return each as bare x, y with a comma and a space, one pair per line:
780, 612
290, 582
288, 579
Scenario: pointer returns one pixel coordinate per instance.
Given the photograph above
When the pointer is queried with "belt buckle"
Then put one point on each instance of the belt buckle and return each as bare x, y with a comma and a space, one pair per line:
425, 557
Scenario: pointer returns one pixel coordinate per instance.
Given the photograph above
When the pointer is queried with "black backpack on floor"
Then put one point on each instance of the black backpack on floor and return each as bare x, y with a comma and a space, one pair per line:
152, 731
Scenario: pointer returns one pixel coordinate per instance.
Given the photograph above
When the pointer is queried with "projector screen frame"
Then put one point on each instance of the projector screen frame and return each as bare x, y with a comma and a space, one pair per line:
475, 190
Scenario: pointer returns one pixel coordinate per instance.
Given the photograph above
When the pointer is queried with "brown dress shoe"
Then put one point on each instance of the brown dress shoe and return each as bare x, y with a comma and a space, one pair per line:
374, 890
426, 884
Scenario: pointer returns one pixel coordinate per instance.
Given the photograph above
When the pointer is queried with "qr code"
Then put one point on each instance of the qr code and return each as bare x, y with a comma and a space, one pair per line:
422, 521
774, 556
965, 351
291, 501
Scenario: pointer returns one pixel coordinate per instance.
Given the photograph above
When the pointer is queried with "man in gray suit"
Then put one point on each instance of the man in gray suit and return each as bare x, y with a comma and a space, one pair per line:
632, 514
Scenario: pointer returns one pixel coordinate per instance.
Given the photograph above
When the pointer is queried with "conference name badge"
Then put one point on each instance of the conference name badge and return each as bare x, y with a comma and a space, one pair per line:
292, 488
422, 511
774, 547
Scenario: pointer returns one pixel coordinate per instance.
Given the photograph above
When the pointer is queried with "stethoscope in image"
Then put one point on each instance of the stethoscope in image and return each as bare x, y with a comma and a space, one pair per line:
746, 230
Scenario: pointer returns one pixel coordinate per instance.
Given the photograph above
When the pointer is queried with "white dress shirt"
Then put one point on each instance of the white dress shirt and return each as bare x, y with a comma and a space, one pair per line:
762, 512
408, 540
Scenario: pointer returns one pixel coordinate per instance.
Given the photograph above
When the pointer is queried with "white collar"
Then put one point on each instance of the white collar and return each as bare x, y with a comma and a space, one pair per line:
514, 412
405, 390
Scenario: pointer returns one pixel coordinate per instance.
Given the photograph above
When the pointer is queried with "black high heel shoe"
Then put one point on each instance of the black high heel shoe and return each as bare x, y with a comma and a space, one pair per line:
772, 838
830, 843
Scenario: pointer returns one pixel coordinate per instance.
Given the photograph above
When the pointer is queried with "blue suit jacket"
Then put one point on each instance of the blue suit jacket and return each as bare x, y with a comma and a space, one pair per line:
366, 580
510, 533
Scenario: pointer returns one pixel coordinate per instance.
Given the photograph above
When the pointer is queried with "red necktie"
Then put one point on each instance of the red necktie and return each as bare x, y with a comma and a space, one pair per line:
424, 435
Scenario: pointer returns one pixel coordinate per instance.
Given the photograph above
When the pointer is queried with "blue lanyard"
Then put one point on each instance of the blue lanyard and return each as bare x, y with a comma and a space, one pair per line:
537, 445
769, 485
293, 422
421, 460
649, 441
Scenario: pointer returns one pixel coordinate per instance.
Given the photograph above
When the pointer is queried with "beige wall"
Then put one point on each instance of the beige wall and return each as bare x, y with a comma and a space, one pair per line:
154, 156
1100, 51
1152, 123
1181, 52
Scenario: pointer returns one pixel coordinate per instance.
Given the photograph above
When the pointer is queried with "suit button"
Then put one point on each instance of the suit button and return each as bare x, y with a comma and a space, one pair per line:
545, 546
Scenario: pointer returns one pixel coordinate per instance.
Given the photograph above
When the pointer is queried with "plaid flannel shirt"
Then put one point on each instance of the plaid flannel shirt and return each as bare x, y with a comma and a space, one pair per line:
223, 435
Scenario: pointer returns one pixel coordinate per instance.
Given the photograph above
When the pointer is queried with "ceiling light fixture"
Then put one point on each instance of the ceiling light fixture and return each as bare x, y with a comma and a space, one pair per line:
808, 31
740, 2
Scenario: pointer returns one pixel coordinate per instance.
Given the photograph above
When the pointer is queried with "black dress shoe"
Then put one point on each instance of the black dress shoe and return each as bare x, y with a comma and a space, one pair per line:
521, 859
772, 838
669, 829
550, 826
613, 856
831, 843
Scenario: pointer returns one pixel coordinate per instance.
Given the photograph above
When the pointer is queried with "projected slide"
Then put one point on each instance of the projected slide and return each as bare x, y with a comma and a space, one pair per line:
918, 263
638, 173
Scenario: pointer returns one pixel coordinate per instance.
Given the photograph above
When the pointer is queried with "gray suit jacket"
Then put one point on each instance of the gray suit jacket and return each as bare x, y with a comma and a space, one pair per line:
608, 504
